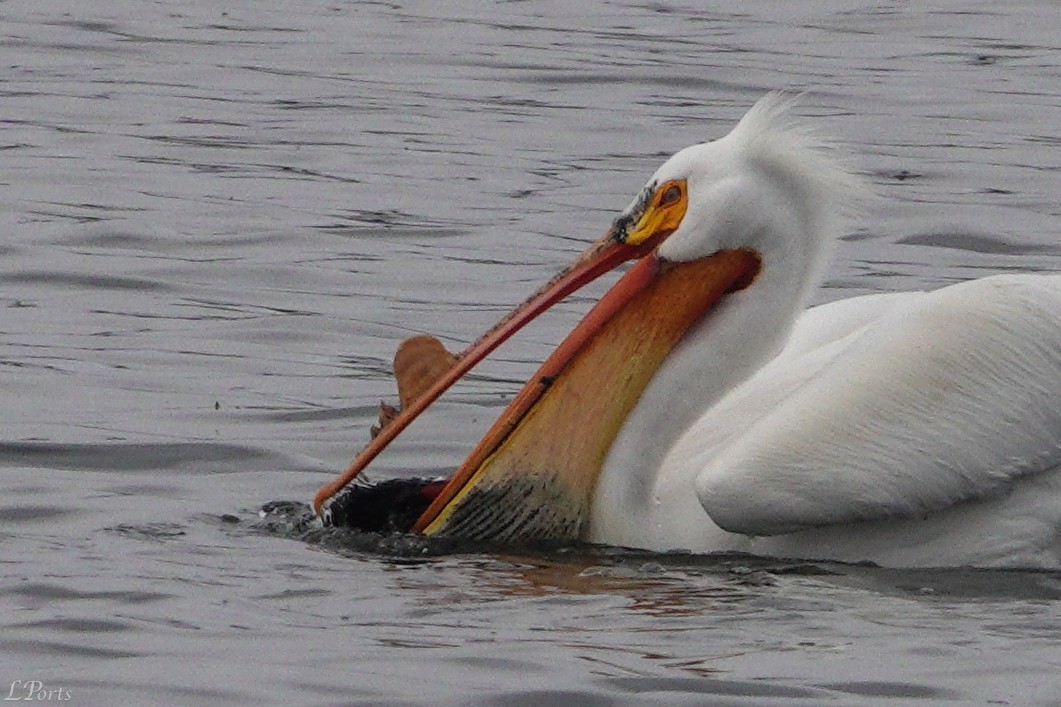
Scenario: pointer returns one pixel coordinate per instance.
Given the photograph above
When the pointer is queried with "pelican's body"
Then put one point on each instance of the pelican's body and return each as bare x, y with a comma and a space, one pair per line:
917, 428
907, 429
702, 406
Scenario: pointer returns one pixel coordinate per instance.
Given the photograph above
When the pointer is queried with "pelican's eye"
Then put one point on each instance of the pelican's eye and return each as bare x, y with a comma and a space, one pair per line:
671, 195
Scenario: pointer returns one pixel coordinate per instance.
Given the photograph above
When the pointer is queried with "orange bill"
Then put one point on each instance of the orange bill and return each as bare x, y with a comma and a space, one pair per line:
532, 476
604, 255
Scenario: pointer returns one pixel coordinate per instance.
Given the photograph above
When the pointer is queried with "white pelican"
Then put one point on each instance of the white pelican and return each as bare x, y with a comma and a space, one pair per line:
701, 406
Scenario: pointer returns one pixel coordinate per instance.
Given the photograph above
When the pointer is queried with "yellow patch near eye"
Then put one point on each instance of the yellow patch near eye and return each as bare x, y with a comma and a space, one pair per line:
663, 214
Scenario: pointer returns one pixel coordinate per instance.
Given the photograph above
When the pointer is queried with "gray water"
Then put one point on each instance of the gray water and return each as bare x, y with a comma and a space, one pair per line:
216, 226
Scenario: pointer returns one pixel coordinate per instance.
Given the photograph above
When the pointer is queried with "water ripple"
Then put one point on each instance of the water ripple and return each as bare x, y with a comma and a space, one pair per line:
118, 457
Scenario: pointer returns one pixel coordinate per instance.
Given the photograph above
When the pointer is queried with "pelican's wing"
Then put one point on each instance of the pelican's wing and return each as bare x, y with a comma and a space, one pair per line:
949, 397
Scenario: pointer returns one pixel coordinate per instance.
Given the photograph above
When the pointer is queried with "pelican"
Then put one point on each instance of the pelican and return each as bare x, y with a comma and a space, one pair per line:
701, 405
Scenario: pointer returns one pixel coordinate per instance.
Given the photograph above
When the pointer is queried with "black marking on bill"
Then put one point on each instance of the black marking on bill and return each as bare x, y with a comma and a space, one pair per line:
622, 225
520, 510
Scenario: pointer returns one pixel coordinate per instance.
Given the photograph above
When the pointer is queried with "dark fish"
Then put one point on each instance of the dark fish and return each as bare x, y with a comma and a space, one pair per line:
390, 506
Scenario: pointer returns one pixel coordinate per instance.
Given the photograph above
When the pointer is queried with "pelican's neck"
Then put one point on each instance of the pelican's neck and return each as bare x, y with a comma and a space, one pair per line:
746, 330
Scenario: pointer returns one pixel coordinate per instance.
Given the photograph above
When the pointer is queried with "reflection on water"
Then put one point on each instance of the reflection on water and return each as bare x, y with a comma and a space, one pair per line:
218, 224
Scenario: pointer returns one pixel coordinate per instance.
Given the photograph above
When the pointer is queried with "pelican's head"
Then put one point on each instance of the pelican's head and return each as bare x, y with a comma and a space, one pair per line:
703, 226
769, 186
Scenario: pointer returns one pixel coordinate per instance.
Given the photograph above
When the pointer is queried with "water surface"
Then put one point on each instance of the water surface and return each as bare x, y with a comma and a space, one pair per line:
219, 223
